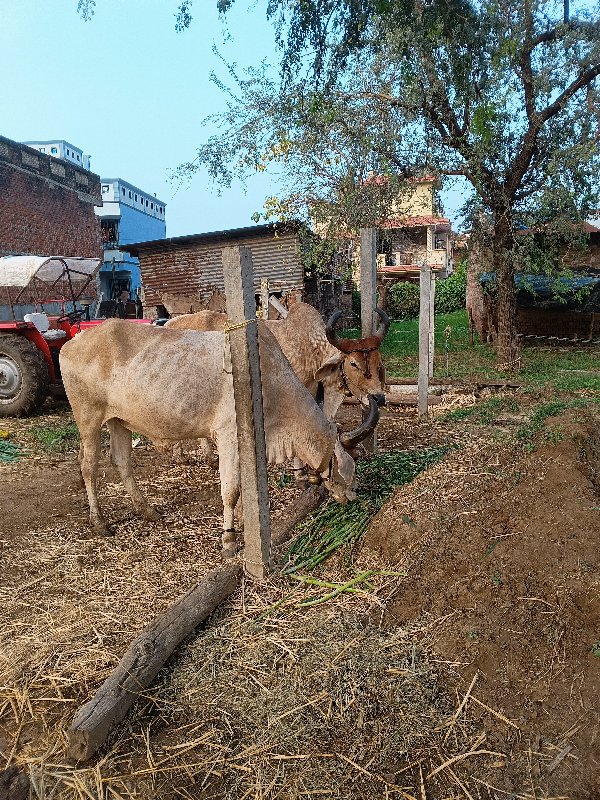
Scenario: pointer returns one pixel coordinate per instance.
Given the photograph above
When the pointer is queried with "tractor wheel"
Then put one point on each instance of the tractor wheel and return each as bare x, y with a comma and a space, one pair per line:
24, 376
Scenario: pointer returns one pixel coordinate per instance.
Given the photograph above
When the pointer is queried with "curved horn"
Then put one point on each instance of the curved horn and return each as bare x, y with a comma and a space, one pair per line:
332, 336
351, 439
344, 345
381, 333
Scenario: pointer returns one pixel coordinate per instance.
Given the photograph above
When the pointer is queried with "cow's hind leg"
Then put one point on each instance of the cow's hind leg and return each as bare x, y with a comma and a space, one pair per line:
89, 455
229, 474
120, 453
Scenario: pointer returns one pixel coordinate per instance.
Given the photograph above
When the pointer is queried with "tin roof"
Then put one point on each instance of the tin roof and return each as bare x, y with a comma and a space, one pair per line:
174, 243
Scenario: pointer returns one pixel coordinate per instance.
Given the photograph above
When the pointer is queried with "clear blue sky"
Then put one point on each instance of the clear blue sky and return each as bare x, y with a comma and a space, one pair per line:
132, 92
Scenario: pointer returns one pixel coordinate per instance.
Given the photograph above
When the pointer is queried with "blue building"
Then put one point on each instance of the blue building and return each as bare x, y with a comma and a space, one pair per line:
127, 215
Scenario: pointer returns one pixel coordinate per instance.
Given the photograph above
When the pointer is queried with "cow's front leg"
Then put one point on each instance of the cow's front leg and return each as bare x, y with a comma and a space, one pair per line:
120, 453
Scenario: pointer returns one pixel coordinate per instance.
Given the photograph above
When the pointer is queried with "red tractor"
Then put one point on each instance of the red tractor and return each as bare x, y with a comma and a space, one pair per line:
29, 348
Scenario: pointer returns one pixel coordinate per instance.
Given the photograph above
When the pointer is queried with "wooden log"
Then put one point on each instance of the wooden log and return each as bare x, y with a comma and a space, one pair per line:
294, 513
144, 658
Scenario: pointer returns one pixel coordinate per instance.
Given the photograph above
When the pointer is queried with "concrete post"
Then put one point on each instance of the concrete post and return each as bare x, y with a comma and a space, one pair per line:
368, 279
424, 324
432, 323
368, 300
245, 365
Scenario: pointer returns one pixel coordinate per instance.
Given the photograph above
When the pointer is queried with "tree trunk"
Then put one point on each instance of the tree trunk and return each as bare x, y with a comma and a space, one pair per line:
507, 343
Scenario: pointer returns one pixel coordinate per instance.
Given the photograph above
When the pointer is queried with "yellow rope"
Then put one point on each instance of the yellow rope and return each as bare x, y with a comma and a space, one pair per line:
232, 326
508, 364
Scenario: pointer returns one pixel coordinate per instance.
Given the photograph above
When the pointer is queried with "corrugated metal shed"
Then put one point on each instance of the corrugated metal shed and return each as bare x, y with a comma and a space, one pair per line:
193, 265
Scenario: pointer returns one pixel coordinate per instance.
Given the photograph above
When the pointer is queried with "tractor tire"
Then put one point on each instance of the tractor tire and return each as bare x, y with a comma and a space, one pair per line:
24, 376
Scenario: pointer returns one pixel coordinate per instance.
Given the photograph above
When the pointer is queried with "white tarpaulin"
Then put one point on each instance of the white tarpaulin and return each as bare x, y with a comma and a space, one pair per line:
21, 270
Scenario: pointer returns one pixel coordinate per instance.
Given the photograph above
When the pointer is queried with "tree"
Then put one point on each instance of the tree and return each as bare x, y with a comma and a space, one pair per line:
499, 92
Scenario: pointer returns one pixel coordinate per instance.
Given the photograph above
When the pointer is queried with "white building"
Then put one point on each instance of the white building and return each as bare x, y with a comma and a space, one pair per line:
127, 215
59, 148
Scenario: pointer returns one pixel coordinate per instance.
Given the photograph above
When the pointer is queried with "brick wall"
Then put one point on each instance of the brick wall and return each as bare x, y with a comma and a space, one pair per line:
46, 205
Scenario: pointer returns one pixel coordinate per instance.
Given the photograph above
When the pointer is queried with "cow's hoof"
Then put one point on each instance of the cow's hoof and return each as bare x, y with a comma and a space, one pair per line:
151, 514
100, 528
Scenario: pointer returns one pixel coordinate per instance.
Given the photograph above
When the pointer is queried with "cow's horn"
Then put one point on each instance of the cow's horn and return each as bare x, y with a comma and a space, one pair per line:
332, 337
381, 332
351, 439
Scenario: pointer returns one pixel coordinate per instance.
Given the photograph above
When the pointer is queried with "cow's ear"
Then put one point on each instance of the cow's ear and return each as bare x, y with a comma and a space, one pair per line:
345, 464
330, 367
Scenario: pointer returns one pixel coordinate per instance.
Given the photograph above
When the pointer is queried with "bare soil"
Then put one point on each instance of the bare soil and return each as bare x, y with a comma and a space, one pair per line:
505, 549
499, 551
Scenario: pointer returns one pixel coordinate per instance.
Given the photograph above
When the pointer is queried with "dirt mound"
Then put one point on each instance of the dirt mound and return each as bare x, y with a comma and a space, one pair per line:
502, 546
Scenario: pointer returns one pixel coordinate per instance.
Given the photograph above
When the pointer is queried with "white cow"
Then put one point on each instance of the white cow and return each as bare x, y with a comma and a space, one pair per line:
317, 354
174, 385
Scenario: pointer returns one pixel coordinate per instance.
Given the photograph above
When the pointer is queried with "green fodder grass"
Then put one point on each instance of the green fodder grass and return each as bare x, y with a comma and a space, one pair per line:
326, 531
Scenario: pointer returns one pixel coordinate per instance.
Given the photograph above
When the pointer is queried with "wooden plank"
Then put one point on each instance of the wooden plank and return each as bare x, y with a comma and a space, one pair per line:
143, 659
398, 400
245, 366
424, 324
264, 298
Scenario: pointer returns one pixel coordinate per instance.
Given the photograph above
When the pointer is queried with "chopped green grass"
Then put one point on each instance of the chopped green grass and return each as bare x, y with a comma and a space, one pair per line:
335, 526
56, 439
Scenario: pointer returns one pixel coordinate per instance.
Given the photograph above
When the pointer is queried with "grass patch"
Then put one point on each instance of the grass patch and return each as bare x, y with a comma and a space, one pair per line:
568, 369
528, 431
56, 439
326, 531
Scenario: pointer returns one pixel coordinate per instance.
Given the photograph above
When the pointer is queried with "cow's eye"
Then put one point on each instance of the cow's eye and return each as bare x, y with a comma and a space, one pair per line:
354, 364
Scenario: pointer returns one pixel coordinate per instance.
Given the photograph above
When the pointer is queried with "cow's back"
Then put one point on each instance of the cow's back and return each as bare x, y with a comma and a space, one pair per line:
161, 383
303, 339
199, 321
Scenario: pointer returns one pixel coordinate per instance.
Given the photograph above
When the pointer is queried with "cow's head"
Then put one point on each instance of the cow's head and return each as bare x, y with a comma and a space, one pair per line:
339, 478
358, 362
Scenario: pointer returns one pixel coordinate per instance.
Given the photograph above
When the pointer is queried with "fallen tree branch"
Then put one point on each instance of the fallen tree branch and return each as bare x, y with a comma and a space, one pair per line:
294, 513
144, 658
147, 654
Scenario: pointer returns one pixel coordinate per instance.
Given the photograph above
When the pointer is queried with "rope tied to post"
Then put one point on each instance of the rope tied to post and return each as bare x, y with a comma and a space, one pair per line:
508, 365
232, 326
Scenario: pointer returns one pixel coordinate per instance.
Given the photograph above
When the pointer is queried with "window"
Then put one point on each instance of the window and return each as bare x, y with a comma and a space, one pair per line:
130, 195
136, 198
146, 204
42, 149
78, 158
122, 190
152, 206
104, 188
54, 150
